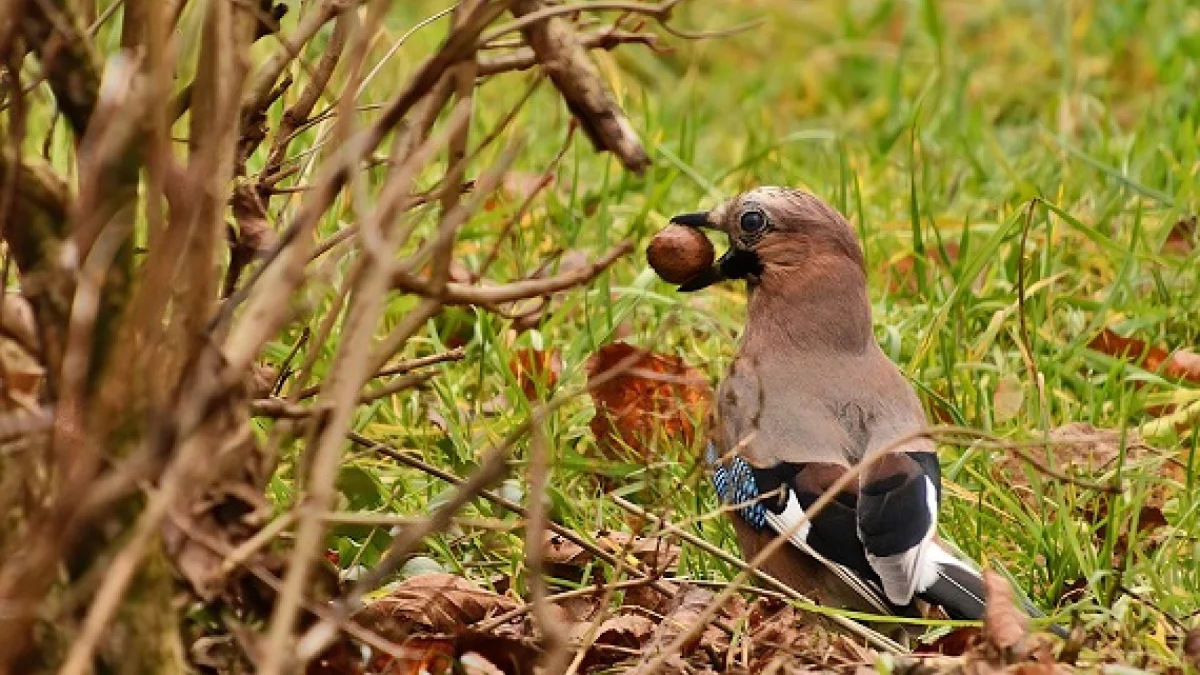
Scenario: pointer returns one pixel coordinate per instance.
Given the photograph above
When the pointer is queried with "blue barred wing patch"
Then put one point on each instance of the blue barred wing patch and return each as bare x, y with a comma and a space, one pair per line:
735, 484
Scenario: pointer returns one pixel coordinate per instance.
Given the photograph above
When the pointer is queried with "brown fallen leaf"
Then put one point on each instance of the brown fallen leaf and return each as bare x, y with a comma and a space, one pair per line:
618, 639
1007, 398
343, 658
262, 380
433, 655
1004, 625
252, 238
657, 555
21, 377
517, 186
682, 618
777, 630
1034, 669
955, 643
474, 663
1191, 647
17, 322
536, 370
901, 273
655, 398
436, 602
1181, 240
1079, 448
1180, 365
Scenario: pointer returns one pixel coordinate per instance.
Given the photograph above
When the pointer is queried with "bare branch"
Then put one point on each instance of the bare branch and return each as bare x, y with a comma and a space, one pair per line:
567, 62
525, 58
490, 296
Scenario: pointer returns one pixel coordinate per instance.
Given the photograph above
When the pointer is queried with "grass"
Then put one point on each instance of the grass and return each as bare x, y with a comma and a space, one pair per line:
928, 124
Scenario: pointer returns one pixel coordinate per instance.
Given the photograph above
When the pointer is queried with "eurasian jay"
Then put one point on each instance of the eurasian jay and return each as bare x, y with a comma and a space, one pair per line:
810, 394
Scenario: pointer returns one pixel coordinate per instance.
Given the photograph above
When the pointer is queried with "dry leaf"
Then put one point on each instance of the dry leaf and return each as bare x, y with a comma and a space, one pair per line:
1181, 240
435, 602
343, 658
262, 380
955, 643
1004, 625
474, 663
21, 376
1191, 647
1181, 365
1034, 669
534, 366
1081, 449
655, 554
423, 655
655, 397
683, 618
901, 273
17, 321
1007, 398
617, 639
254, 237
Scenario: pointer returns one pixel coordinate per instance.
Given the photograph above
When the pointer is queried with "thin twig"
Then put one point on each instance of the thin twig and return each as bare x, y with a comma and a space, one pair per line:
487, 296
351, 368
402, 368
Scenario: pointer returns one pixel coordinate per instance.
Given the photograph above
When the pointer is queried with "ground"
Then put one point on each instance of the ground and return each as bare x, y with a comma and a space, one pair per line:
979, 149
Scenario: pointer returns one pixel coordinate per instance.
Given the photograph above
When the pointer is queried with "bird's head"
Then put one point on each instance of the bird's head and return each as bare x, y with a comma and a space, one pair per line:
778, 235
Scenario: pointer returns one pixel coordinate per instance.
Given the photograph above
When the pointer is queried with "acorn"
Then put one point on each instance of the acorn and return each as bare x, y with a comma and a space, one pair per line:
678, 253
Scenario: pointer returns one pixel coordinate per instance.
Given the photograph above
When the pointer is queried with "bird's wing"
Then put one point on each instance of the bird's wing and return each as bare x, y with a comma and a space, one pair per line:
898, 502
767, 499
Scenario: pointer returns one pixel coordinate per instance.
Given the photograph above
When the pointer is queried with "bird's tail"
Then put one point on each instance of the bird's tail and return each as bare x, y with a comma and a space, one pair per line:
959, 590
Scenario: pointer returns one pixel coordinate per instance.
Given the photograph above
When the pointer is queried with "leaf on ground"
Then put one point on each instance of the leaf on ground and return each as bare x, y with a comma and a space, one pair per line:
1181, 240
262, 380
517, 186
22, 376
437, 602
1191, 647
1150, 519
252, 238
618, 639
656, 555
17, 321
463, 652
777, 630
955, 643
422, 655
653, 397
1081, 448
683, 618
901, 273
1007, 398
1180, 365
536, 370
474, 663
343, 658
1004, 624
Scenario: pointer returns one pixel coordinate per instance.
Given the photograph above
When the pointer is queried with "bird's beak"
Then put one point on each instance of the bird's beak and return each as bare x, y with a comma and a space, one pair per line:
713, 274
697, 219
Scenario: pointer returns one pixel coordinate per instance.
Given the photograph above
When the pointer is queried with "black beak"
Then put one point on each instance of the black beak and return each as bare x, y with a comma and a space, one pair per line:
737, 263
730, 266
704, 279
697, 219
710, 276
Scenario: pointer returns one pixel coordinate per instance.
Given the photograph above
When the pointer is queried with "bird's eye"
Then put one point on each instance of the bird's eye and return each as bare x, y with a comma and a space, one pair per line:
753, 222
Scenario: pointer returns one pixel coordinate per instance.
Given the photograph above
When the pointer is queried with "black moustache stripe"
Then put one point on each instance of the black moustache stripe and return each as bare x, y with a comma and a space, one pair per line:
740, 263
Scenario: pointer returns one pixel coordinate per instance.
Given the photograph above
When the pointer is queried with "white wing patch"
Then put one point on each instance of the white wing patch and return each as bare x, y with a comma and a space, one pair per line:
794, 513
906, 573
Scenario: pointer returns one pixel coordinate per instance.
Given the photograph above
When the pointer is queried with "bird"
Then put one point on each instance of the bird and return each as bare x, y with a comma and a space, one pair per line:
811, 395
